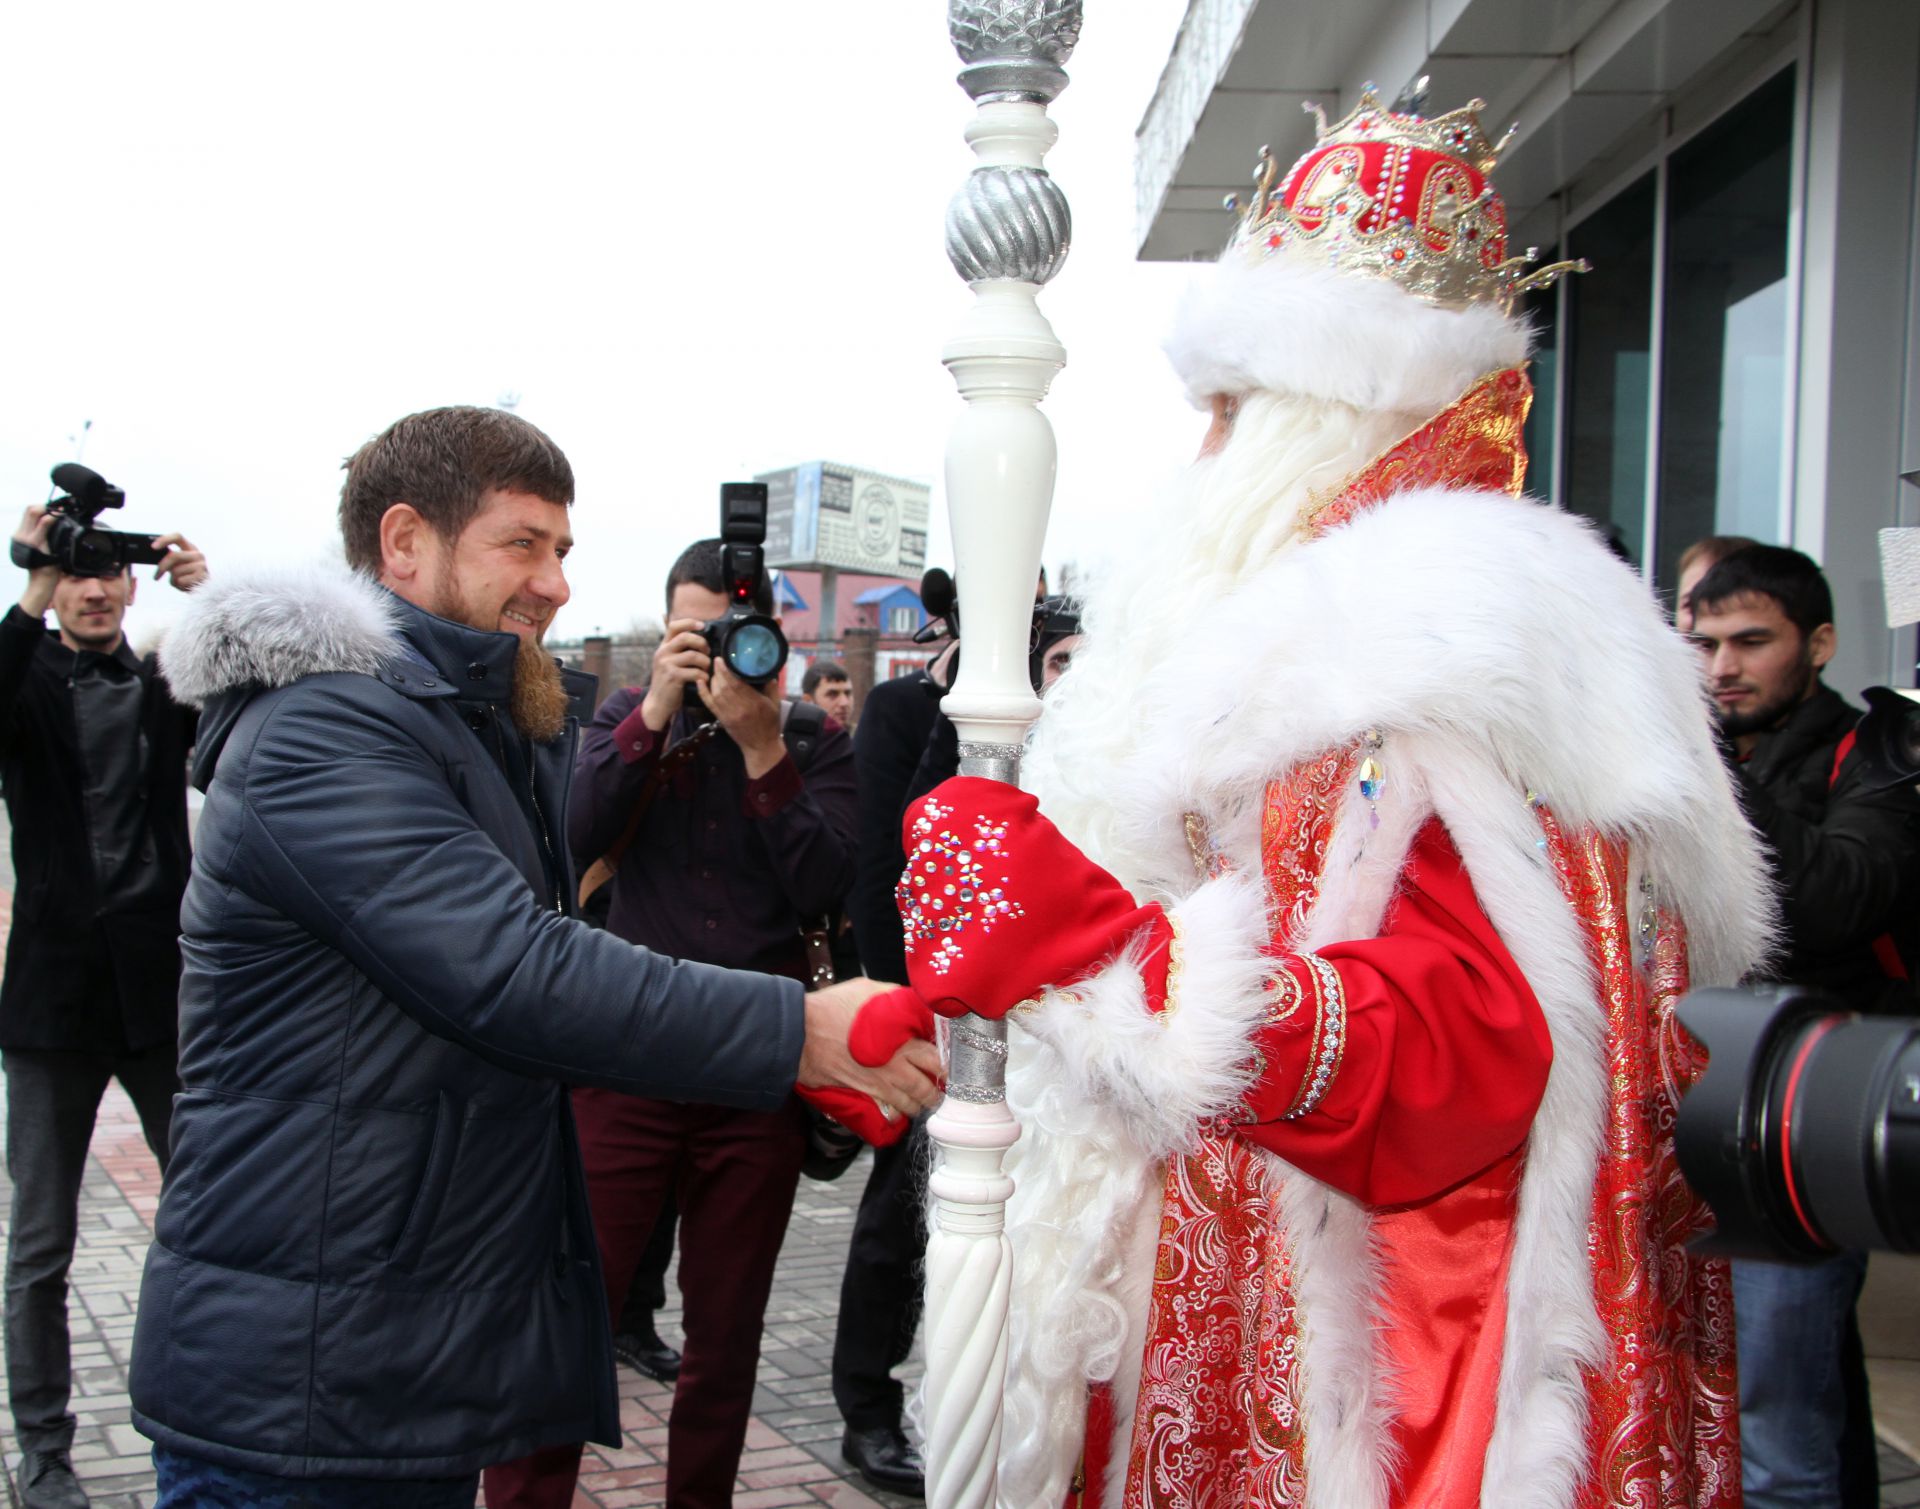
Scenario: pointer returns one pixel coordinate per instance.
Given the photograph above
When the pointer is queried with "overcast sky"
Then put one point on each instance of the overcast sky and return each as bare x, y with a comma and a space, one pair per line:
698, 240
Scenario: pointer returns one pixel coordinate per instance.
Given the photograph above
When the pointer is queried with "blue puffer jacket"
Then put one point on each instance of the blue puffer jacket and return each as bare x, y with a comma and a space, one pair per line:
374, 1255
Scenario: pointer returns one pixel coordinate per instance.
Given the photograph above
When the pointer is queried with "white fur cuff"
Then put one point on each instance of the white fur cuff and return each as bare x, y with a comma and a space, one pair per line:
1165, 1074
1342, 337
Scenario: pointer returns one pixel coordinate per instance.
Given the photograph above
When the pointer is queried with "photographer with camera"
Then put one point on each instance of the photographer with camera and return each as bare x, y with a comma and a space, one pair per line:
1846, 862
727, 841
93, 751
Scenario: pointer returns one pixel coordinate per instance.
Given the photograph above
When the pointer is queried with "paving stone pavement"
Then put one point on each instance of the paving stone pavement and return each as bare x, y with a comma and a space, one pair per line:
793, 1443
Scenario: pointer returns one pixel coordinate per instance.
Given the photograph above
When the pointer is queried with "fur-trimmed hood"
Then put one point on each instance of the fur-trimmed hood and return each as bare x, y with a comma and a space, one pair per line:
269, 628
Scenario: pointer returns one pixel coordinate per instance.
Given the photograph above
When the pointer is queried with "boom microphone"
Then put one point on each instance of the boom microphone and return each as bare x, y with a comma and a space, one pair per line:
942, 602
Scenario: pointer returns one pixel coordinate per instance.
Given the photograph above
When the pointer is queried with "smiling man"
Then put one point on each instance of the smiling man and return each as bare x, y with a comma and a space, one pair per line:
374, 1270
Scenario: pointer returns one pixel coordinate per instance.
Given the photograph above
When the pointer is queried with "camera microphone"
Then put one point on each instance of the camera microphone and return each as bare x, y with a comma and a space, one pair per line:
84, 483
942, 602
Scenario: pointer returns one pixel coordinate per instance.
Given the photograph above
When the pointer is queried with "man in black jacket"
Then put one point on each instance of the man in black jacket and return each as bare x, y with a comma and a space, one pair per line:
373, 1270
93, 752
1846, 862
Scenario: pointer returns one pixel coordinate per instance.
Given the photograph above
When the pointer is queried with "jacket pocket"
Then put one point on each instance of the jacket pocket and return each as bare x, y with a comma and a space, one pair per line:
431, 1193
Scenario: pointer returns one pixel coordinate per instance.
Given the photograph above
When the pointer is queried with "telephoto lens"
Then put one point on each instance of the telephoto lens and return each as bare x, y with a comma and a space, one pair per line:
754, 649
1803, 1135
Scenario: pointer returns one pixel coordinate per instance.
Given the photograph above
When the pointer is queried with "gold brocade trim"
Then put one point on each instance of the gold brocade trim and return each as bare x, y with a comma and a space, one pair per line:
1328, 1045
1478, 442
1176, 961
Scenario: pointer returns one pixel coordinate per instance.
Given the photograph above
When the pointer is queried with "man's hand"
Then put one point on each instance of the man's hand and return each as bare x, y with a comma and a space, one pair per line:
750, 715
41, 580
680, 661
906, 1086
183, 563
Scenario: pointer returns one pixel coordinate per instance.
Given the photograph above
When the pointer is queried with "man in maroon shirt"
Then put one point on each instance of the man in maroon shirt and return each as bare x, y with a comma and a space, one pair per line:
735, 852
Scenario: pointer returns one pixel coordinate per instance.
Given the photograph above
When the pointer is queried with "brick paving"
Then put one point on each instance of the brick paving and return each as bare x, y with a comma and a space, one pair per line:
793, 1443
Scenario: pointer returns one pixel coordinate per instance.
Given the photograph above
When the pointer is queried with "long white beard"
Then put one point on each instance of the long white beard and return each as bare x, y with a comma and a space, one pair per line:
1230, 515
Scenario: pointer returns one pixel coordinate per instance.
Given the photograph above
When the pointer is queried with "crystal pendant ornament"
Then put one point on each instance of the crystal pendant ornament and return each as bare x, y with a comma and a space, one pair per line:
1373, 778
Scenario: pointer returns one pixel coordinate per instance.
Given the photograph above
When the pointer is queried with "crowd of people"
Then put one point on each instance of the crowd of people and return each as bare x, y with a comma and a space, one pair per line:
475, 998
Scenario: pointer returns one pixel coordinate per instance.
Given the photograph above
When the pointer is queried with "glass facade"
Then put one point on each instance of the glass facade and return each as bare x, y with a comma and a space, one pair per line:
1707, 454
1723, 401
1609, 356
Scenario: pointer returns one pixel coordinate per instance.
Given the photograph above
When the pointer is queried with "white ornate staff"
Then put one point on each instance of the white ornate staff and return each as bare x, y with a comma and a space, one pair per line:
1007, 233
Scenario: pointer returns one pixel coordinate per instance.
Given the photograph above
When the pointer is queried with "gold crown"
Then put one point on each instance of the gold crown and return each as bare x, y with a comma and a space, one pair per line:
1391, 194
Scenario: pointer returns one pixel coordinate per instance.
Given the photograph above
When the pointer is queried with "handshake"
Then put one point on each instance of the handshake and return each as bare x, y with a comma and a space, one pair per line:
997, 906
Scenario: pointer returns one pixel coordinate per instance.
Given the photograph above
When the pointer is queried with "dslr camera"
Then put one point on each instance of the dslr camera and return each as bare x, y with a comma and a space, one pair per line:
745, 640
1803, 1135
73, 543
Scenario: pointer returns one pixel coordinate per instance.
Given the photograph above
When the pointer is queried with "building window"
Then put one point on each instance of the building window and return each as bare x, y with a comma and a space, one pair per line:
1723, 402
1609, 364
1709, 325
902, 620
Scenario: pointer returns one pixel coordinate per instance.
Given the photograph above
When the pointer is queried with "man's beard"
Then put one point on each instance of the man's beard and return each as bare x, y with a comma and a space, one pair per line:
539, 703
1774, 711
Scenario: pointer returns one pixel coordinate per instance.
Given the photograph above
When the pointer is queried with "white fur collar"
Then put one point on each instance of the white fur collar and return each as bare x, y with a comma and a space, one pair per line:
1459, 616
271, 627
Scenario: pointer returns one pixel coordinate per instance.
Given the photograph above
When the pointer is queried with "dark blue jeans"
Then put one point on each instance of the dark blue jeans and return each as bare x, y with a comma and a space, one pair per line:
188, 1482
1795, 1399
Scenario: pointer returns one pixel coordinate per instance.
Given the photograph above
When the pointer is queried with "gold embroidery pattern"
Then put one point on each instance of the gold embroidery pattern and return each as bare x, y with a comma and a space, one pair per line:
1664, 1412
1329, 1043
1476, 443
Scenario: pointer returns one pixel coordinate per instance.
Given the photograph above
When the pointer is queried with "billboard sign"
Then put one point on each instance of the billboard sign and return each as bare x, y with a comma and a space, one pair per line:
821, 513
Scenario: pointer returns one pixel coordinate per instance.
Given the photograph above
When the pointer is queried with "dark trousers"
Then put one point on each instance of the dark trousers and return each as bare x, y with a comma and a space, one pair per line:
52, 1099
647, 1294
882, 1290
734, 1173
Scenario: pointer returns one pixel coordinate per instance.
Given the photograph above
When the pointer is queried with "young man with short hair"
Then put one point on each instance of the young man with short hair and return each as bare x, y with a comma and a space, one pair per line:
373, 1270
1847, 863
828, 687
93, 752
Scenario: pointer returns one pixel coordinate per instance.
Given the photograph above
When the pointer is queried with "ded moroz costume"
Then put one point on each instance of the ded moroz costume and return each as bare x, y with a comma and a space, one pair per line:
1346, 968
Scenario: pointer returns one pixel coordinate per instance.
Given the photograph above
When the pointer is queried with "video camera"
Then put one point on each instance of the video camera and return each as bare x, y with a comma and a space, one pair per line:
73, 544
746, 640
1054, 618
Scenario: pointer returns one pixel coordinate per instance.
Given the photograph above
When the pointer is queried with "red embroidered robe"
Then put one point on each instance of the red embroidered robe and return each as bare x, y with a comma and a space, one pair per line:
1431, 1055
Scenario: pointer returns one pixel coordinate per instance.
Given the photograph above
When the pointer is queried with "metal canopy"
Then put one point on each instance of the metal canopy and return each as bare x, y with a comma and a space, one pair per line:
1575, 74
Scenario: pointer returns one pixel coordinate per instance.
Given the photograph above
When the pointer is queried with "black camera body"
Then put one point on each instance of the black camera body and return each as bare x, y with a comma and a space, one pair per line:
745, 640
73, 543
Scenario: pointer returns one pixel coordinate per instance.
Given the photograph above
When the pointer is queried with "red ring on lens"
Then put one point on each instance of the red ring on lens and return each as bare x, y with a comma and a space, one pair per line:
1807, 1046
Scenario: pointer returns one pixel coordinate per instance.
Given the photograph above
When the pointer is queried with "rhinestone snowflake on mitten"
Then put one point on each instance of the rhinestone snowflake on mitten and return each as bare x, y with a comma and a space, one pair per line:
946, 891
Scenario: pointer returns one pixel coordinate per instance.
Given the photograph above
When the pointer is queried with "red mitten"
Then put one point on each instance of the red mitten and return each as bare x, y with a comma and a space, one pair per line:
881, 1028
999, 905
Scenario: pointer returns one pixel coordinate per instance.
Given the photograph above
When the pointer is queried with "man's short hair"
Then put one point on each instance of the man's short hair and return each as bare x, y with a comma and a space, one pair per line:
819, 671
442, 461
1788, 577
1714, 549
703, 564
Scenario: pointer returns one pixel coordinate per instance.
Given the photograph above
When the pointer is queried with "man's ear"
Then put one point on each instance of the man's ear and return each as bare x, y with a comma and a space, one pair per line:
133, 584
1821, 644
405, 538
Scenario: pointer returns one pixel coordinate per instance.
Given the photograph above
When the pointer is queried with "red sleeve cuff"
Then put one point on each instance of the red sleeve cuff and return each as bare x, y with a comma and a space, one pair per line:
772, 791
1298, 1051
634, 740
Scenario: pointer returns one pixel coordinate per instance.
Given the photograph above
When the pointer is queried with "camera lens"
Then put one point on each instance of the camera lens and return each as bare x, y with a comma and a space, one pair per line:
1804, 1132
755, 650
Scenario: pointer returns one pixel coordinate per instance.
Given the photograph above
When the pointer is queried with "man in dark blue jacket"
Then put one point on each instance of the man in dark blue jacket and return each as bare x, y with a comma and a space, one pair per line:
374, 1270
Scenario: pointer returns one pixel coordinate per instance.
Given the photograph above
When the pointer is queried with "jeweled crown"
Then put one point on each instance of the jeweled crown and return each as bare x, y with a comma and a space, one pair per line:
1392, 194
